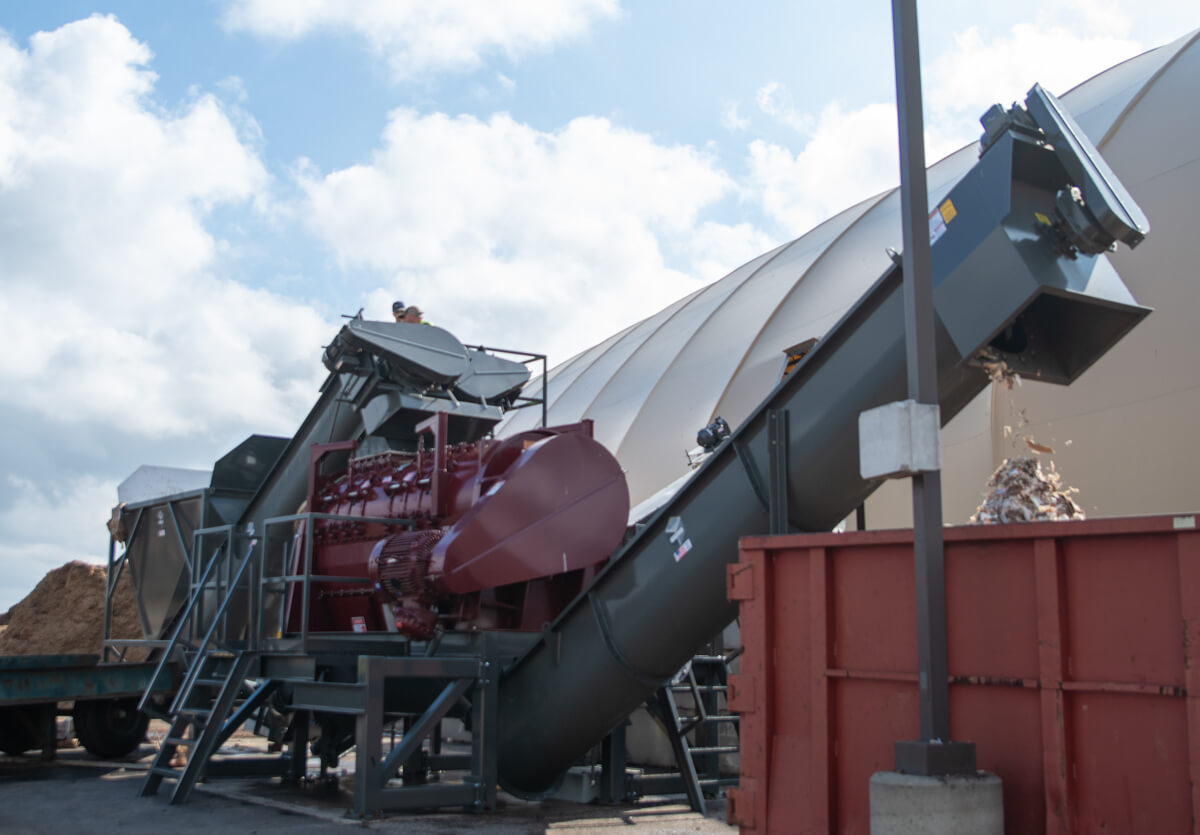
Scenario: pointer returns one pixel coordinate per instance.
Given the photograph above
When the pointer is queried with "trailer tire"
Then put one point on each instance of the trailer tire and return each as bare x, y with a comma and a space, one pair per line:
18, 729
110, 728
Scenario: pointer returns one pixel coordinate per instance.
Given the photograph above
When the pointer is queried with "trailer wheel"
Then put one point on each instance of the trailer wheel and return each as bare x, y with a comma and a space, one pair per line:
110, 728
18, 729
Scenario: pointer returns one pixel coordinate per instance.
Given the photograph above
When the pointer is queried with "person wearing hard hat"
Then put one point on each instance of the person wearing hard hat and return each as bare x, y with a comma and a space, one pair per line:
398, 309
413, 315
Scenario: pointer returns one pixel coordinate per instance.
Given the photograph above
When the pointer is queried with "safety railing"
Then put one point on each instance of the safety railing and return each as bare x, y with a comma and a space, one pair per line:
219, 622
182, 624
115, 566
278, 584
523, 401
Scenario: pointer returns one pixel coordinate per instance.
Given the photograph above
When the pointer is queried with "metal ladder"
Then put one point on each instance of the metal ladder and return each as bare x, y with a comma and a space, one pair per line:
706, 691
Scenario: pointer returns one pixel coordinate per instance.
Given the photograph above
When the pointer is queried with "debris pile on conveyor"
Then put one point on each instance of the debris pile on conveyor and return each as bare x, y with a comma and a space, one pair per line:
64, 614
1021, 491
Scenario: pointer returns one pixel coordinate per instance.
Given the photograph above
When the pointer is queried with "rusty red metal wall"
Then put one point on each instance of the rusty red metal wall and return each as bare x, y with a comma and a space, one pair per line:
1073, 659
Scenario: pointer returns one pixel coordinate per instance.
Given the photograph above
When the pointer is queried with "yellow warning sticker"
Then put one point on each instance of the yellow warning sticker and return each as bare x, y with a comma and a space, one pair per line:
1042, 219
948, 211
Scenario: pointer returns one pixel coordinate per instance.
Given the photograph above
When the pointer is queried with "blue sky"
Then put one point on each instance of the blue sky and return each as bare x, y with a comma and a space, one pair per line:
191, 194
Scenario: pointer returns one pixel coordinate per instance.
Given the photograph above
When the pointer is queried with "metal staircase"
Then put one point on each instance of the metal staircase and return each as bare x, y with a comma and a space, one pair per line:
213, 706
218, 692
693, 729
705, 678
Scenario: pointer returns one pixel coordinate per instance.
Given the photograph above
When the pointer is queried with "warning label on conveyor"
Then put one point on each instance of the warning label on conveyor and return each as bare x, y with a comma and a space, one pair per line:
938, 219
678, 535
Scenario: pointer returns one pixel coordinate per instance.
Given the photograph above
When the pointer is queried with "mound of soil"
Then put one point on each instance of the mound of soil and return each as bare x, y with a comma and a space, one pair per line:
1021, 491
64, 614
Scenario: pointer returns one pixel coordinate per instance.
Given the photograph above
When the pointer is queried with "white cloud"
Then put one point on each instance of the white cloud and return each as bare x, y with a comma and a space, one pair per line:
731, 118
1109, 17
526, 238
415, 37
851, 153
46, 527
979, 71
718, 248
775, 100
114, 307
119, 321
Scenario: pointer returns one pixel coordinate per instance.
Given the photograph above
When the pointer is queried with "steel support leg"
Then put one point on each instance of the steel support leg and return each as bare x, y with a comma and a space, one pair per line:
298, 752
368, 740
613, 757
485, 716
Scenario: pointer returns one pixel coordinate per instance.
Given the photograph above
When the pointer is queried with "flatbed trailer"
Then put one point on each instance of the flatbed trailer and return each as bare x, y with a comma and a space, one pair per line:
102, 698
161, 511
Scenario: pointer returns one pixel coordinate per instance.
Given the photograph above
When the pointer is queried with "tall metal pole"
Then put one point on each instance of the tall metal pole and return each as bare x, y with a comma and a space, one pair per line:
923, 757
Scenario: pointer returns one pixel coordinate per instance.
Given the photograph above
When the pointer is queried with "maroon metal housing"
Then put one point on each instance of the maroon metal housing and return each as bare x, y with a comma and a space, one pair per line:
499, 534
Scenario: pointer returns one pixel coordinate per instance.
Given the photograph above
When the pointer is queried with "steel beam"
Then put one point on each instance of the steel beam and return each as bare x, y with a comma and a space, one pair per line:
424, 726
330, 696
777, 479
921, 359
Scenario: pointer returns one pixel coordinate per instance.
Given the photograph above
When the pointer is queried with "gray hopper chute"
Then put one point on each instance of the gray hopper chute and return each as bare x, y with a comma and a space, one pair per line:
162, 507
1070, 307
1008, 282
490, 379
422, 354
421, 357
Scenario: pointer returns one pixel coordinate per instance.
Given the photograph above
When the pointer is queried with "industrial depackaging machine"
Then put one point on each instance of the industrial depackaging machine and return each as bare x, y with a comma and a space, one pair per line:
396, 563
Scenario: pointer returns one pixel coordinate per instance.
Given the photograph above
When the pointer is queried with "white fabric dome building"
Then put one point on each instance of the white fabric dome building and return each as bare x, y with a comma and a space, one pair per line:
1124, 433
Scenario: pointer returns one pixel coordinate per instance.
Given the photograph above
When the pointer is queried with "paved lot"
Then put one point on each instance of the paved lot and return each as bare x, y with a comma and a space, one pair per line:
77, 794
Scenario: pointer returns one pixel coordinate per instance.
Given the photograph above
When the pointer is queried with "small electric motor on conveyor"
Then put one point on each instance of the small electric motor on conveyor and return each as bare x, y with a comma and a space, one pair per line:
710, 437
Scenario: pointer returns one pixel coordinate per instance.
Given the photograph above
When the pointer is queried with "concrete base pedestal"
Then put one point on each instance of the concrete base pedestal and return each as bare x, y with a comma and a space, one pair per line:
905, 804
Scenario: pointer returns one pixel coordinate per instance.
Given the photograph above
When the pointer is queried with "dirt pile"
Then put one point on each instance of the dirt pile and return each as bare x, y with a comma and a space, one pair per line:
64, 614
1021, 491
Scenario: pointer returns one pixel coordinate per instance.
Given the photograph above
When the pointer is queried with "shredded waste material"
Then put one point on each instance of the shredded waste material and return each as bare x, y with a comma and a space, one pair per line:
1021, 491
64, 614
1036, 447
996, 368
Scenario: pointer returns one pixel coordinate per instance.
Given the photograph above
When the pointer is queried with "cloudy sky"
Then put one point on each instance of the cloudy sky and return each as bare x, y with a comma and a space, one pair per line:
192, 194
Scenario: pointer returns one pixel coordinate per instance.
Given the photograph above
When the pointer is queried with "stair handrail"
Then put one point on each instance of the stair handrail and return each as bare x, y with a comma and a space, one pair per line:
202, 648
184, 617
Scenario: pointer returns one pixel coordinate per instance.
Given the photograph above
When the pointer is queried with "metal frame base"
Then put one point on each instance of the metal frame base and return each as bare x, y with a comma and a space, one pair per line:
476, 679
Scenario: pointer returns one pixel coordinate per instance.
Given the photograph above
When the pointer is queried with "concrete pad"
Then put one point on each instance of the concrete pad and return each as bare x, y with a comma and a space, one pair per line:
906, 804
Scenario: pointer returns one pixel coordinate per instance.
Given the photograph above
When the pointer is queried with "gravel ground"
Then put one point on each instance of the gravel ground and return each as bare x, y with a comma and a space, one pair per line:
78, 794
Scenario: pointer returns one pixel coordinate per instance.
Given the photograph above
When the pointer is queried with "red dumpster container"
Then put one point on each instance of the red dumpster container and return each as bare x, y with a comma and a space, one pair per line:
1074, 661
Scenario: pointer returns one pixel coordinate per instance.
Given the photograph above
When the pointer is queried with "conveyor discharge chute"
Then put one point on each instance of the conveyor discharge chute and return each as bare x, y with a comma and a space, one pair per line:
1019, 276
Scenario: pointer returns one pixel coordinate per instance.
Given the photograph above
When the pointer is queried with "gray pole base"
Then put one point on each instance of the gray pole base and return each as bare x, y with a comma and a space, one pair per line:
906, 804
